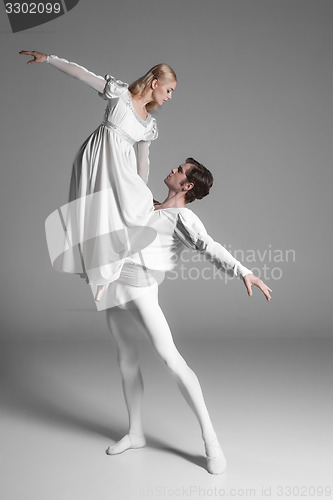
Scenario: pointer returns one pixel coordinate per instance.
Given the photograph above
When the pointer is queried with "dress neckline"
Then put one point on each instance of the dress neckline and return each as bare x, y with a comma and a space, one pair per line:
141, 120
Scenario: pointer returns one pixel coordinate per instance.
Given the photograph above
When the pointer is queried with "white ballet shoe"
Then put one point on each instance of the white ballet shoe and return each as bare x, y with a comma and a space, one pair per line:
101, 289
216, 461
128, 442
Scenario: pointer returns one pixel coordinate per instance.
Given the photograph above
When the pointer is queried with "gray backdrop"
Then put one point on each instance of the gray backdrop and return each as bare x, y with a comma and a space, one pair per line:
253, 103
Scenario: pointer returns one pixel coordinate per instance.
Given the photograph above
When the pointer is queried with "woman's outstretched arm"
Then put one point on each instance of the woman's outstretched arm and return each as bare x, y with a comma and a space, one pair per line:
70, 68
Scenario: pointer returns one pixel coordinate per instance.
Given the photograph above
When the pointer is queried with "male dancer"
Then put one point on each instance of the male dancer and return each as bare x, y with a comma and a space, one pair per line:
176, 227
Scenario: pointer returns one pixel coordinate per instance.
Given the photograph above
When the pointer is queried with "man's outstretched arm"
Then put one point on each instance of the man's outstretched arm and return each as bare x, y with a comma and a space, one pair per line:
191, 231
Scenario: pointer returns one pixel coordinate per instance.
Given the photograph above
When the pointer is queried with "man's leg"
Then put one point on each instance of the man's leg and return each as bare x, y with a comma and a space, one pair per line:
148, 313
120, 322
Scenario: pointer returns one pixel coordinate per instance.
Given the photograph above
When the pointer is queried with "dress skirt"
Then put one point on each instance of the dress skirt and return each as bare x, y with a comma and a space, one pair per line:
105, 220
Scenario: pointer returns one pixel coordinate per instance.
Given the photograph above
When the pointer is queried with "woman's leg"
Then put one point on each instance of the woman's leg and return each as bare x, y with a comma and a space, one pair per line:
149, 314
120, 322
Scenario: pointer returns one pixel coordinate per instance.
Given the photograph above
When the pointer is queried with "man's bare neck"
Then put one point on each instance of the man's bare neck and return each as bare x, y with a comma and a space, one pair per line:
172, 201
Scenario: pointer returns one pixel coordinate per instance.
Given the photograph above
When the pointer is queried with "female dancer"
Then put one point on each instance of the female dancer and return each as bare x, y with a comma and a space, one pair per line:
115, 160
136, 296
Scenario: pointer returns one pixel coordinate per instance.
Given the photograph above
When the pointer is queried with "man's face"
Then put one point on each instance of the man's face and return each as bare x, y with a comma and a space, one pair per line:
177, 177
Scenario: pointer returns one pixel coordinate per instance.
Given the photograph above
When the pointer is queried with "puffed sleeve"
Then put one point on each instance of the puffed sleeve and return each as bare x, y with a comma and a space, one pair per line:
192, 233
78, 72
152, 131
113, 88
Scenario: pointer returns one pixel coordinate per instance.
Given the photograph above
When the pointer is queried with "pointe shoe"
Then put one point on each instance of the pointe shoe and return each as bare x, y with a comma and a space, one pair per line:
101, 289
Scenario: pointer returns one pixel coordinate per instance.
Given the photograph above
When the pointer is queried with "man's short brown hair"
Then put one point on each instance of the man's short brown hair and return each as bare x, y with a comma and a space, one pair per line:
202, 179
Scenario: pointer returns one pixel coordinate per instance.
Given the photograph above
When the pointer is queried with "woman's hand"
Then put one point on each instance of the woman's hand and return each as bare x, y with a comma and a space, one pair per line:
250, 280
38, 57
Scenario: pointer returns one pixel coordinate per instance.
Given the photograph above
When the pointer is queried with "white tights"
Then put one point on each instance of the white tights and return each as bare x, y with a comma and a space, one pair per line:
147, 312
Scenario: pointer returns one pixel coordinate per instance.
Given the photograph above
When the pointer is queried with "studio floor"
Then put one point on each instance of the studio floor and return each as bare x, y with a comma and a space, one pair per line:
270, 402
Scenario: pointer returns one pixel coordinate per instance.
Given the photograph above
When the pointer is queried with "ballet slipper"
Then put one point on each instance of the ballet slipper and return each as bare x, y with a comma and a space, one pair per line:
101, 289
128, 442
216, 461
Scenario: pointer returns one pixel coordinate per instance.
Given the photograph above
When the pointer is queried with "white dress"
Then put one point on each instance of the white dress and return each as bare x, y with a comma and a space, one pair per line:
108, 197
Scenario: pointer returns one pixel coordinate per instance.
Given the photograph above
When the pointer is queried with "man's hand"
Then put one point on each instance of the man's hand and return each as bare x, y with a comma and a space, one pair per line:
250, 280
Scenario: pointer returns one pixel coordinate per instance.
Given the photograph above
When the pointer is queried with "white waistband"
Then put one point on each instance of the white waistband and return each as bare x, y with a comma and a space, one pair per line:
136, 275
118, 131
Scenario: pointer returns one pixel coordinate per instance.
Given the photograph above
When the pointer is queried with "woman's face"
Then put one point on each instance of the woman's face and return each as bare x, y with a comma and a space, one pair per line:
163, 91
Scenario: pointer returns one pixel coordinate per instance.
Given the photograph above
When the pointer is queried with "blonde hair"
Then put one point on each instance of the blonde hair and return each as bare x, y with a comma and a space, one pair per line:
160, 72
